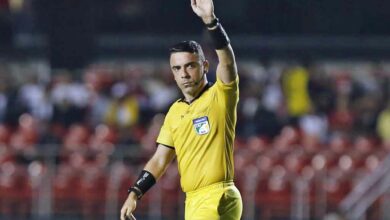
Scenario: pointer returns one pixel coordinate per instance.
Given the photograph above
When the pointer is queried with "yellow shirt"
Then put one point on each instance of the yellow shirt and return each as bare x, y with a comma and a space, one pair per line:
296, 91
383, 126
202, 134
123, 113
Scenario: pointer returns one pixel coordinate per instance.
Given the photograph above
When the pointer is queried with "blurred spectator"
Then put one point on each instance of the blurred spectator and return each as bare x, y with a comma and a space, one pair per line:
342, 117
148, 141
367, 108
15, 107
161, 89
270, 112
3, 100
98, 80
70, 99
320, 89
267, 122
383, 125
314, 128
123, 112
272, 94
124, 109
34, 96
295, 87
76, 139
103, 140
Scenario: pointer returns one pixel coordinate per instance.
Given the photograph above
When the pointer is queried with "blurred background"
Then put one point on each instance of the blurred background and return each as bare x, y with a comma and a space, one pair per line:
84, 86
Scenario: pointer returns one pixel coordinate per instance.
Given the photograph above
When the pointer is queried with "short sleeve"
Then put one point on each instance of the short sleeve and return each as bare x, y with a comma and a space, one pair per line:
165, 135
233, 85
228, 92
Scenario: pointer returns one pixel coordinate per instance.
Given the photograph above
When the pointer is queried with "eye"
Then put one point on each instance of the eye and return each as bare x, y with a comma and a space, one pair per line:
191, 66
175, 69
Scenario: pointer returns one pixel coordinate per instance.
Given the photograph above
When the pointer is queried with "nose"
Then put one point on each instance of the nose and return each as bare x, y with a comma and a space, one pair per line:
184, 74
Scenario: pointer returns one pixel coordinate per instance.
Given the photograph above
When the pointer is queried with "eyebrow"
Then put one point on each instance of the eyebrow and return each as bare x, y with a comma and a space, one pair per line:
186, 64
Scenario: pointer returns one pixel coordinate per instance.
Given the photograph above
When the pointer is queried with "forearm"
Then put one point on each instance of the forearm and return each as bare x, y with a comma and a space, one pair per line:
227, 68
156, 166
227, 60
153, 170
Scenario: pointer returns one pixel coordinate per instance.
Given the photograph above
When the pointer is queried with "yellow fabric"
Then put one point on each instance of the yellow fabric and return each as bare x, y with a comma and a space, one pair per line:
214, 202
202, 134
123, 113
295, 85
383, 126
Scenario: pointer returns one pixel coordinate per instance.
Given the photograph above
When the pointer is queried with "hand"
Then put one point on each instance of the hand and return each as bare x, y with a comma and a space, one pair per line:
129, 207
204, 9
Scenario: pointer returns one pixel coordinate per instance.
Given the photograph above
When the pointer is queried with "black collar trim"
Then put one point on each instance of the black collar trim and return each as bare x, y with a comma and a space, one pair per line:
205, 88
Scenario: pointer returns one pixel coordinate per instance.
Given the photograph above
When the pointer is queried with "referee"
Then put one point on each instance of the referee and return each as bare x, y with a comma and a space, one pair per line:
199, 129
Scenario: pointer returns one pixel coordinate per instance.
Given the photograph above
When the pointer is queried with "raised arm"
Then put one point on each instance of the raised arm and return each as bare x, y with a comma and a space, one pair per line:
227, 68
155, 167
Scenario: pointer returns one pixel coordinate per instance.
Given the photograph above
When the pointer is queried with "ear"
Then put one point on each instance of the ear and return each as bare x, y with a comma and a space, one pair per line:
206, 66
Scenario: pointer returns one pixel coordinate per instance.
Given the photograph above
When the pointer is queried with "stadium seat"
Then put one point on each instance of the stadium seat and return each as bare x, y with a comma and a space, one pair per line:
93, 191
76, 139
172, 198
15, 190
5, 134
274, 195
66, 191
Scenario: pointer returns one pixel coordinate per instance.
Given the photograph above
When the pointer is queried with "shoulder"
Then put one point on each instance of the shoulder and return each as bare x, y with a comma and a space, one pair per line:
174, 108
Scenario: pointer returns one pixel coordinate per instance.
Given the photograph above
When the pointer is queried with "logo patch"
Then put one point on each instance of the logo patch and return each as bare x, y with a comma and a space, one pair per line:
201, 125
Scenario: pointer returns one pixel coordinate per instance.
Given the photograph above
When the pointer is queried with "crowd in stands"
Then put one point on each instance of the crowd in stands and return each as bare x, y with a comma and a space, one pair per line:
320, 100
294, 120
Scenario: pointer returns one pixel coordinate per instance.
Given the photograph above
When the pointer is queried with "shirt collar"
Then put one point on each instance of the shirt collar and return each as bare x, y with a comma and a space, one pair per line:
205, 88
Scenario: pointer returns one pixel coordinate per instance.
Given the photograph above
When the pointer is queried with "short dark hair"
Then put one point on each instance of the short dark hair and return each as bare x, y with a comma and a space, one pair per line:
188, 46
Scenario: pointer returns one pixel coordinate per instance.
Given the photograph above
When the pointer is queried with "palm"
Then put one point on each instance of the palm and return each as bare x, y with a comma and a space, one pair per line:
203, 8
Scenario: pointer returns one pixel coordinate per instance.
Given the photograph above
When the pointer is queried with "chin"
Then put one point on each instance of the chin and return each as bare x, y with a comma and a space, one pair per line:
189, 90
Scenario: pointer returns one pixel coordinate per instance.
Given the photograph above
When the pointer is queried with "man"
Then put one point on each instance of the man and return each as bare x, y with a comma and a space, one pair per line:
199, 129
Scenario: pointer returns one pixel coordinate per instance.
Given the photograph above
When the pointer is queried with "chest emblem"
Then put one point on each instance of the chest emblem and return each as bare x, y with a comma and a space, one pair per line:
201, 125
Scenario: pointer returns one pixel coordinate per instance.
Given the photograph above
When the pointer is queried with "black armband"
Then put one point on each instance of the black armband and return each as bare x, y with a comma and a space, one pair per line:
144, 182
219, 37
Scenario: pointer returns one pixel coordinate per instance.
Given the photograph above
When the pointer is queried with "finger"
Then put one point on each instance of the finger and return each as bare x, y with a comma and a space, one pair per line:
129, 215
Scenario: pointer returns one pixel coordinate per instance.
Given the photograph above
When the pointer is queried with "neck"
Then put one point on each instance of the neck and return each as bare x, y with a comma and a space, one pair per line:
190, 97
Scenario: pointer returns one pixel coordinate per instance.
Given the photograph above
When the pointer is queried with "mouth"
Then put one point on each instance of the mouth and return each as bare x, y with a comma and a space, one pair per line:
187, 84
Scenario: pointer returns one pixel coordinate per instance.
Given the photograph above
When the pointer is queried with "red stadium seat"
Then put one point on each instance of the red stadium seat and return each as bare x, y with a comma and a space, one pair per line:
123, 177
363, 145
76, 139
274, 195
93, 191
103, 140
66, 191
15, 191
5, 134
336, 189
172, 197
339, 144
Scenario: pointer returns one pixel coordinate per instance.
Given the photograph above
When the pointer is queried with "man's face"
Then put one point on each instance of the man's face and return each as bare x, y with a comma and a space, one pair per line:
188, 69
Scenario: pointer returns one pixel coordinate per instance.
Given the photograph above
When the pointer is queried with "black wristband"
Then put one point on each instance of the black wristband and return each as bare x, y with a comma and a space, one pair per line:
144, 182
213, 23
219, 37
137, 192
